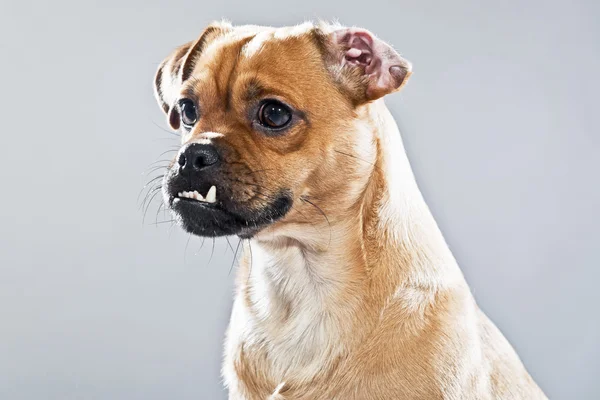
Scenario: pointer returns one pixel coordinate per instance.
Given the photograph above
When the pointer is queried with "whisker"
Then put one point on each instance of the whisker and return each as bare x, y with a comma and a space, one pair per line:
160, 161
322, 213
229, 243
235, 256
169, 151
306, 218
151, 191
186, 247
212, 251
251, 258
148, 184
148, 205
163, 222
165, 130
161, 205
357, 158
201, 245
151, 170
171, 227
153, 180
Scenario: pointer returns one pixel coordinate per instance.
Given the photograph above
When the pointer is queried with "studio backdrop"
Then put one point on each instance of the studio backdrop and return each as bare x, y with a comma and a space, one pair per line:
499, 120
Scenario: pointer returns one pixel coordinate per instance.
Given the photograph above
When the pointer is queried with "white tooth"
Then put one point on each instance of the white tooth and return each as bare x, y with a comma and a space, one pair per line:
180, 194
211, 196
198, 196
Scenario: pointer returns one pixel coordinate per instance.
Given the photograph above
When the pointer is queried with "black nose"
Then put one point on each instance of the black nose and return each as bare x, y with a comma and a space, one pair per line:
195, 157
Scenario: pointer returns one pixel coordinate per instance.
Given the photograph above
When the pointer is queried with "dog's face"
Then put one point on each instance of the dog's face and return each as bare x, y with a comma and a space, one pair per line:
269, 120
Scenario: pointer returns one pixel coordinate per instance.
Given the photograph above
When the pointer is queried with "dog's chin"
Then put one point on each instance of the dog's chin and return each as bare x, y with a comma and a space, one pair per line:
212, 220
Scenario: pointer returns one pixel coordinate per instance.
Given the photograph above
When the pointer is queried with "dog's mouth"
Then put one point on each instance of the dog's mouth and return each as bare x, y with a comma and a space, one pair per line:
215, 212
210, 198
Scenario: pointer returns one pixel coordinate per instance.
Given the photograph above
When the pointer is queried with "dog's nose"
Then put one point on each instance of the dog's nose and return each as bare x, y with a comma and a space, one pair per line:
195, 157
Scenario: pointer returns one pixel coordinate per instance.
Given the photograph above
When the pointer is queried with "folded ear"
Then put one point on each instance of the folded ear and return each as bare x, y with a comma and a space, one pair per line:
368, 66
177, 68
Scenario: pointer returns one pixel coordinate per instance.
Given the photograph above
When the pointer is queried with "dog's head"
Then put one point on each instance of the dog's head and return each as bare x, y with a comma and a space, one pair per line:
271, 123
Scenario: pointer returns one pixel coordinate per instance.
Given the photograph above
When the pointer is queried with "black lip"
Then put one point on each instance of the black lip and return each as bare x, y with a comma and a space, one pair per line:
206, 205
208, 219
203, 219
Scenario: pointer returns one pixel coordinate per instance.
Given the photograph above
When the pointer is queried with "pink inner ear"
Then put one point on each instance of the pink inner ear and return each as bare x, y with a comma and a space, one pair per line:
386, 70
359, 51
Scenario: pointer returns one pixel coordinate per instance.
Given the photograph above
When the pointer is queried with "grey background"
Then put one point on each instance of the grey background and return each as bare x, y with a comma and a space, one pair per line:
499, 119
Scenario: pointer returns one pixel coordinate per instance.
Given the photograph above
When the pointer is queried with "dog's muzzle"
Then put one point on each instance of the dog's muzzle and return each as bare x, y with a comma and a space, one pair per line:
212, 197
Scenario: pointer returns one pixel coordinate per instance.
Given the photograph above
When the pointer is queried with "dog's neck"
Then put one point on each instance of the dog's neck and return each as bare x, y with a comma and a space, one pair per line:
314, 294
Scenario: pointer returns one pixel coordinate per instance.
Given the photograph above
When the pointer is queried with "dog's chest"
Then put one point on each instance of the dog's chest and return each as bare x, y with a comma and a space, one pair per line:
282, 324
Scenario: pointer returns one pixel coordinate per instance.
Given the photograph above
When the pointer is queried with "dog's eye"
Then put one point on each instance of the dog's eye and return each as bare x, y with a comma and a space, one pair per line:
274, 114
189, 115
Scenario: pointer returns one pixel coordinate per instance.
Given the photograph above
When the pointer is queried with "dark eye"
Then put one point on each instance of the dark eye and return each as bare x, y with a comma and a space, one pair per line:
189, 115
274, 114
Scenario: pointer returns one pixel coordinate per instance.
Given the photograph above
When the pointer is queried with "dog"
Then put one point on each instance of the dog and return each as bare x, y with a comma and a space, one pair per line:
346, 288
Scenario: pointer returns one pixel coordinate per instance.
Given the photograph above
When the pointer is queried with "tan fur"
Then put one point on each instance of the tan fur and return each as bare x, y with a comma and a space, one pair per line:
354, 294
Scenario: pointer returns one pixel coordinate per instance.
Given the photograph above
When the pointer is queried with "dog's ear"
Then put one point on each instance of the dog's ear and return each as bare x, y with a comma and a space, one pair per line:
178, 67
365, 65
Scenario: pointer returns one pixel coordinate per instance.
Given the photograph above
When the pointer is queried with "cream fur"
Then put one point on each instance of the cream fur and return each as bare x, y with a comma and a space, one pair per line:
306, 271
361, 299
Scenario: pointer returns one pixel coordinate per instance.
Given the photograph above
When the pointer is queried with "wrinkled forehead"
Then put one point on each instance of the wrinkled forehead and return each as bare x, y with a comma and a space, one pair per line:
286, 61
